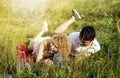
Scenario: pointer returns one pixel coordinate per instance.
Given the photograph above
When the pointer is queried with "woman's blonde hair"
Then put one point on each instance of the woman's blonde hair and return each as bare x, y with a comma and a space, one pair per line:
63, 43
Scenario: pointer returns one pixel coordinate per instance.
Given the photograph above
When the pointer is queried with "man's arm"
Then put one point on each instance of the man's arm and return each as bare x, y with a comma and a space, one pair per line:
94, 48
77, 54
73, 50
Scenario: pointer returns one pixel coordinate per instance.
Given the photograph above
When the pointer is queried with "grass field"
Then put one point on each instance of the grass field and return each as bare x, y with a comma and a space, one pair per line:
22, 19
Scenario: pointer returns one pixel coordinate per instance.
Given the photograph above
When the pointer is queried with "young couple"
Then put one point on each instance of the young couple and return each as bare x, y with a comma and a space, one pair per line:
59, 44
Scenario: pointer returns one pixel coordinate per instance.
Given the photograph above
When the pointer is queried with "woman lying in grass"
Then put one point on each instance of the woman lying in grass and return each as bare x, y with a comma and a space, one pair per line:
43, 48
59, 46
48, 45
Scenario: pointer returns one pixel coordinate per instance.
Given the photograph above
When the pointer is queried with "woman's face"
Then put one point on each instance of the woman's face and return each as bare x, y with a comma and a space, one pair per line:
52, 47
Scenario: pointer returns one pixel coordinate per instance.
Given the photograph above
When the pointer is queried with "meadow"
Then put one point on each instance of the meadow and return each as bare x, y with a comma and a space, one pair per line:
20, 20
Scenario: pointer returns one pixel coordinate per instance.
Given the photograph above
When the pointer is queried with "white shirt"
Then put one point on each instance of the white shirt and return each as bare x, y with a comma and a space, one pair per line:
38, 40
74, 37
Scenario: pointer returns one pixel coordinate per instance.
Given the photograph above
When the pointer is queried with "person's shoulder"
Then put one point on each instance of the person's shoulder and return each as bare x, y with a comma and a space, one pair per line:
95, 41
74, 33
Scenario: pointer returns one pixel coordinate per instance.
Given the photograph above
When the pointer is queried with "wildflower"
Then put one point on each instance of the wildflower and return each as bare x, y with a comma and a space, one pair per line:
86, 76
20, 65
40, 70
27, 65
95, 63
111, 66
9, 76
4, 76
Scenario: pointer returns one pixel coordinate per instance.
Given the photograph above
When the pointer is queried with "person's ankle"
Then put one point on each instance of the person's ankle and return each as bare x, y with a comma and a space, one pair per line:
76, 15
45, 26
73, 18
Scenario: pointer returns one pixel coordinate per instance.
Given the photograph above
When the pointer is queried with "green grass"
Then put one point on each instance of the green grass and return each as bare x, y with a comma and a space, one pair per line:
17, 25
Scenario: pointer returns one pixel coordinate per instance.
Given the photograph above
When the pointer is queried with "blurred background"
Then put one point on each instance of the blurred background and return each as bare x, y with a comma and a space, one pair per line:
21, 19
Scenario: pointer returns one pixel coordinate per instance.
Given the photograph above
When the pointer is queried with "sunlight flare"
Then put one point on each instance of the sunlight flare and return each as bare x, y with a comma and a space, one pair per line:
30, 5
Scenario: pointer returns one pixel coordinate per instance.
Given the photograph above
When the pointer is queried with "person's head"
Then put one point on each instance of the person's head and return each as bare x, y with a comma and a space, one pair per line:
50, 46
63, 44
87, 35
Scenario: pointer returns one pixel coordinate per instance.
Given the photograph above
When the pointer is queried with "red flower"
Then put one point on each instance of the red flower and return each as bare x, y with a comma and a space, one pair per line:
23, 54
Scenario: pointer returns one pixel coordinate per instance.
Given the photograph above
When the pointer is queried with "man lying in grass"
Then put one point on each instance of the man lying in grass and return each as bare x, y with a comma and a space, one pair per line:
83, 42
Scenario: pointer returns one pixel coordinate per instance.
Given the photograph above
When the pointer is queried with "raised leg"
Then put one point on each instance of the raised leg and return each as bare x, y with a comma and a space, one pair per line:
38, 36
63, 27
